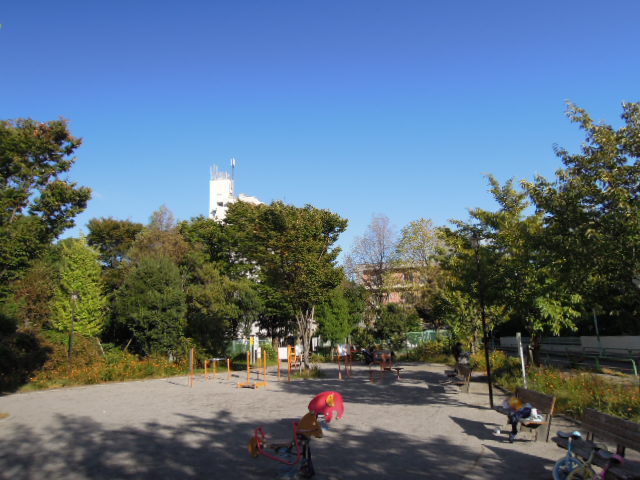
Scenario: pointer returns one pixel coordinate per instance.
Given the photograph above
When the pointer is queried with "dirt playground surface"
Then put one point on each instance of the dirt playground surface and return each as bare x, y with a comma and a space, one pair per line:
412, 427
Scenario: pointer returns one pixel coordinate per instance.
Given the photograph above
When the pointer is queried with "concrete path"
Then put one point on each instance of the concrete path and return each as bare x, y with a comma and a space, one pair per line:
413, 427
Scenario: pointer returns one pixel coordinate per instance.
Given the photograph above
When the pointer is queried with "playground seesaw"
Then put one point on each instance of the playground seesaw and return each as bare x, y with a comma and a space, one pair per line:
295, 453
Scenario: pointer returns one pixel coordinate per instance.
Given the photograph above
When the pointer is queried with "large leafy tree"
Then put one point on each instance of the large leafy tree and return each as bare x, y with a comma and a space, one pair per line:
334, 319
36, 203
31, 295
112, 238
416, 257
151, 304
394, 323
161, 238
526, 286
294, 249
590, 214
80, 290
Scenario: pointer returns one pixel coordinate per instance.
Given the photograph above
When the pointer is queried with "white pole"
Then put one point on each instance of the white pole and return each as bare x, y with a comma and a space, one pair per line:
524, 372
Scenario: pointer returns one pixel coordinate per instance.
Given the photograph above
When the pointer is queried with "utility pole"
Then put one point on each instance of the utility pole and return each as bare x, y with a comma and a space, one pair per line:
74, 305
483, 316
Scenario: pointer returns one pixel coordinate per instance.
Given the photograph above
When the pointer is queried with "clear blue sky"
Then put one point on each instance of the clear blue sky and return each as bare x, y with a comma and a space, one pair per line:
361, 107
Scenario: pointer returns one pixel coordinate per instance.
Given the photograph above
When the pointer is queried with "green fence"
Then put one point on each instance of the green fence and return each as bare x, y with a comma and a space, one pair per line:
242, 346
416, 338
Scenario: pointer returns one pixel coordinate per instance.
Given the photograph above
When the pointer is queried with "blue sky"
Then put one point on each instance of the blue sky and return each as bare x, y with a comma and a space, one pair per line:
362, 107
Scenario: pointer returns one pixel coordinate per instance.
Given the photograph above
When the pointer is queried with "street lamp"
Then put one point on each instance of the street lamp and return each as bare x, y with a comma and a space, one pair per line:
74, 304
475, 241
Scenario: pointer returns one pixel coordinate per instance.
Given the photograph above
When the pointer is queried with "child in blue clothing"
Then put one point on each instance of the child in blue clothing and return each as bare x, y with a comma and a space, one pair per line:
518, 411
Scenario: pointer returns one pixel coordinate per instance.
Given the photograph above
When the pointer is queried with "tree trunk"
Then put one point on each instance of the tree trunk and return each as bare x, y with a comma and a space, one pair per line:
305, 328
534, 349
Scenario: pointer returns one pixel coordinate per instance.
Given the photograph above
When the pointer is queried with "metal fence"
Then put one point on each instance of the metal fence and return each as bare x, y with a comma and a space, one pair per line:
416, 338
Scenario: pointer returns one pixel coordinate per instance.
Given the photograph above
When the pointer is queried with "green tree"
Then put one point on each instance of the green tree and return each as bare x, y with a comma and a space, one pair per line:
394, 323
160, 239
219, 307
112, 238
31, 295
590, 213
211, 238
334, 318
416, 257
79, 273
525, 281
151, 304
36, 205
293, 248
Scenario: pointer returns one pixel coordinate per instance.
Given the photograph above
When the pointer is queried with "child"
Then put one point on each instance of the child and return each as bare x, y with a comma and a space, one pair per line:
517, 410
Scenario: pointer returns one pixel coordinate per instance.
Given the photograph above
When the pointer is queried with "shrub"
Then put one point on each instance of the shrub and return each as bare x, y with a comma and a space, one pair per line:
319, 358
436, 351
501, 363
576, 391
311, 372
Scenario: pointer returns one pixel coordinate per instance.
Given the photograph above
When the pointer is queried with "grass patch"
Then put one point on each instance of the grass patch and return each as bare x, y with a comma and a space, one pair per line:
437, 351
90, 367
311, 372
574, 390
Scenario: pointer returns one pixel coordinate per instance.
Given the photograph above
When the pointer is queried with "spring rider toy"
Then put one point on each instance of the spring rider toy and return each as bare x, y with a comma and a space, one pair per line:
295, 454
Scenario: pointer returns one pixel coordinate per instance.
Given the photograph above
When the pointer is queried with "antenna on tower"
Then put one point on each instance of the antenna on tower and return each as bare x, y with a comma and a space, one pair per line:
233, 167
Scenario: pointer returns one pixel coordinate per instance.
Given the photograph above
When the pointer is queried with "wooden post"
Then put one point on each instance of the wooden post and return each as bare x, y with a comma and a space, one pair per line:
266, 355
248, 365
228, 368
215, 368
339, 371
206, 375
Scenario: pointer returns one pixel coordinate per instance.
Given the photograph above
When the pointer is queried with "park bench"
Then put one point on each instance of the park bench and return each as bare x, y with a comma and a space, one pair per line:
602, 427
545, 404
461, 376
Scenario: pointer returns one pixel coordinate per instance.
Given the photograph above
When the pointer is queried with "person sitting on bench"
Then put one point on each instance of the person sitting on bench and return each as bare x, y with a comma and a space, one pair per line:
517, 411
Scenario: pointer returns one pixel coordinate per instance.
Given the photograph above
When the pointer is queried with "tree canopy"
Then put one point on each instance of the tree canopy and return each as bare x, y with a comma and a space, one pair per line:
36, 204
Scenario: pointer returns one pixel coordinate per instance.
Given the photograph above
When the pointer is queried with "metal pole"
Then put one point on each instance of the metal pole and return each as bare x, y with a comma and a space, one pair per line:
74, 300
484, 321
524, 372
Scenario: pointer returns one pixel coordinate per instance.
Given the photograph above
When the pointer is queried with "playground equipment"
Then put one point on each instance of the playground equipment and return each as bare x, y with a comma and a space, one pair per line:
293, 357
214, 364
385, 359
295, 454
249, 383
344, 352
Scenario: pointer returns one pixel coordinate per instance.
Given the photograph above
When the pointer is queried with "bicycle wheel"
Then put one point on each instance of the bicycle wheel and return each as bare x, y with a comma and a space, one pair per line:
584, 472
565, 466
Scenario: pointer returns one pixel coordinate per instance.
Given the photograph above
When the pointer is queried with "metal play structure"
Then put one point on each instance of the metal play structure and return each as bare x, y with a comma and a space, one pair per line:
295, 453
261, 362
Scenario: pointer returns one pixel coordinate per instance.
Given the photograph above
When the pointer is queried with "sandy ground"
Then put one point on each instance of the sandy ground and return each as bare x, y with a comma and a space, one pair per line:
412, 427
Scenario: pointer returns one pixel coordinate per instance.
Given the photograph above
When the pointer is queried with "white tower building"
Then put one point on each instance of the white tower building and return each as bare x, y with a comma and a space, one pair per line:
222, 193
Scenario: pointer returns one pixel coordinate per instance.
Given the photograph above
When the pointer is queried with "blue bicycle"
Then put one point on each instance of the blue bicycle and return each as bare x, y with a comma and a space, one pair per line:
570, 462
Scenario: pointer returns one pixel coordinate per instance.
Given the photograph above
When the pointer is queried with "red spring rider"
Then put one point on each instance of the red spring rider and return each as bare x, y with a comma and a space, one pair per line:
296, 453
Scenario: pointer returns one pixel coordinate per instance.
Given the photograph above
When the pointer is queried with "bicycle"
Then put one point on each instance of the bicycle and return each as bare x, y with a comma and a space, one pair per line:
586, 472
569, 462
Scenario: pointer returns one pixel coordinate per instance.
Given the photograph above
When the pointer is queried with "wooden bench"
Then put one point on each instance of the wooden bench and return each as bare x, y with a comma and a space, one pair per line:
461, 376
601, 427
545, 404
